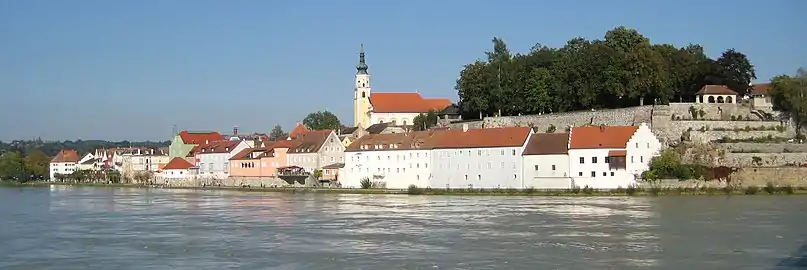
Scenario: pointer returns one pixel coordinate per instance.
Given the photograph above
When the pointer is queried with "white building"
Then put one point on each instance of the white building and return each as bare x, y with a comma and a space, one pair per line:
394, 160
479, 158
179, 169
546, 161
213, 158
397, 108
63, 163
610, 156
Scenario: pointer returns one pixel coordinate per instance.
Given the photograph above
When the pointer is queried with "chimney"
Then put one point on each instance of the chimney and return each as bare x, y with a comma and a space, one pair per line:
464, 127
235, 131
207, 142
602, 128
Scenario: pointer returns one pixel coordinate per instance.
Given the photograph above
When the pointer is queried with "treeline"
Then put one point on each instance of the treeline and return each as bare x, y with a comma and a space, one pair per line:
16, 167
51, 148
622, 69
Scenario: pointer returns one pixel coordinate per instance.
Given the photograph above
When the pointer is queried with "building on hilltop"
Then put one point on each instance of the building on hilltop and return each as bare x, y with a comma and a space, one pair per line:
396, 108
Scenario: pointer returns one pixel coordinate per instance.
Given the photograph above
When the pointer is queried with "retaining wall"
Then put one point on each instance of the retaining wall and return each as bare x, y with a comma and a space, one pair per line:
764, 147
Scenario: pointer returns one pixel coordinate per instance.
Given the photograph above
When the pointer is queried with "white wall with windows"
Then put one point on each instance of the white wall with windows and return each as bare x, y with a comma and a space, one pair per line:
498, 167
396, 169
546, 171
61, 168
216, 165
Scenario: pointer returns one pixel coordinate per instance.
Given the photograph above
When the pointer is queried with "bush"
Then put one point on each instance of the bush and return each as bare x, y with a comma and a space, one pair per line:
365, 183
789, 190
414, 190
751, 190
631, 190
551, 129
528, 190
770, 188
655, 191
588, 190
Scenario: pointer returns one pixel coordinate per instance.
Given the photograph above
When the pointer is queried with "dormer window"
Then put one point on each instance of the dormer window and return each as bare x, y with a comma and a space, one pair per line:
227, 149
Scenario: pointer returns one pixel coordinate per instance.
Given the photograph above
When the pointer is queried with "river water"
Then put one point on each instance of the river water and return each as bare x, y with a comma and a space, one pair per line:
120, 228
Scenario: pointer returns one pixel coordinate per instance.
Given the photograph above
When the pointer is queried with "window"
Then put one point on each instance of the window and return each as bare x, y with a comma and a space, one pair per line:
593, 159
398, 170
593, 174
514, 152
637, 145
502, 152
553, 167
425, 165
515, 176
363, 94
417, 177
612, 173
582, 160
648, 145
536, 167
607, 159
604, 174
502, 164
466, 177
631, 159
490, 165
579, 173
641, 158
513, 165
404, 123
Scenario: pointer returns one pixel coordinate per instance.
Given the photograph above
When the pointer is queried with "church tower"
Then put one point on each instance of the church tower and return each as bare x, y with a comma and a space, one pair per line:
361, 93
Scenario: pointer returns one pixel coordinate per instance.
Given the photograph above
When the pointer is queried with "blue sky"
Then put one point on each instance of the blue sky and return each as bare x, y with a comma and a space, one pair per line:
115, 70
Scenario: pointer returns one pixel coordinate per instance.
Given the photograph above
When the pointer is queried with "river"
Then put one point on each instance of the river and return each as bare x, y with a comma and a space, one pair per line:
127, 228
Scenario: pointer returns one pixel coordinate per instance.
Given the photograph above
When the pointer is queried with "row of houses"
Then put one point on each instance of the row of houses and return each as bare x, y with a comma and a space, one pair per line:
514, 157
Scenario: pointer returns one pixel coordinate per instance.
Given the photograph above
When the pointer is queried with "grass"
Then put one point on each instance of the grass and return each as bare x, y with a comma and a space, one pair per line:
769, 189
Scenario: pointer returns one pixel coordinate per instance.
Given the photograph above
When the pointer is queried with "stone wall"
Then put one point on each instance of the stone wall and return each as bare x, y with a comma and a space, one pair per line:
228, 182
718, 112
624, 116
787, 176
764, 147
672, 130
712, 135
764, 159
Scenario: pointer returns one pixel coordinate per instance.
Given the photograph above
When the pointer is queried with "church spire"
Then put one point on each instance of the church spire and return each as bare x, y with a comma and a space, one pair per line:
361, 68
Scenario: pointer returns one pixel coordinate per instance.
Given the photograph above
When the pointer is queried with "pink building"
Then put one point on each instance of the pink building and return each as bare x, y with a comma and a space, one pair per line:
261, 161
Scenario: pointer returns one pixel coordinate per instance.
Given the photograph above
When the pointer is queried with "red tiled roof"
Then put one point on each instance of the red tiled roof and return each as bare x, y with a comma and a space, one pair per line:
483, 138
298, 130
309, 142
761, 89
215, 147
617, 153
547, 144
417, 140
66, 156
178, 163
715, 90
199, 137
246, 153
597, 137
405, 103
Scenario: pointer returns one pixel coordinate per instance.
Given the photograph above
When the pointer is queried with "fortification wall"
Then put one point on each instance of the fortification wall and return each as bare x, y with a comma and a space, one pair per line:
787, 176
744, 160
712, 135
624, 116
764, 147
712, 111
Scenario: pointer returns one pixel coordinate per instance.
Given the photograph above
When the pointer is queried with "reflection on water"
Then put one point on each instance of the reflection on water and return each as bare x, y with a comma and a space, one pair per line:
111, 228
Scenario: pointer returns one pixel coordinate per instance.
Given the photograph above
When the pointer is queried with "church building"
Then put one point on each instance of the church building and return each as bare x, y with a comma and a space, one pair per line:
396, 108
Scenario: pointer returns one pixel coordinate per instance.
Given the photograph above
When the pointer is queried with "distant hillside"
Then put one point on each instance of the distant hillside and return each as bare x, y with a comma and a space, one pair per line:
51, 148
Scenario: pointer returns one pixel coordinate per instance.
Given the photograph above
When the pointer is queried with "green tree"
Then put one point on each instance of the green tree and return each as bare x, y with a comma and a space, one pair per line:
622, 69
113, 176
12, 167
425, 121
789, 94
37, 164
321, 120
277, 133
737, 72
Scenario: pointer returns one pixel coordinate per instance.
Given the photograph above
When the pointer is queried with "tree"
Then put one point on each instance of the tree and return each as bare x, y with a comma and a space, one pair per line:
789, 94
321, 120
425, 121
37, 165
317, 174
737, 72
113, 176
622, 69
143, 177
12, 167
277, 133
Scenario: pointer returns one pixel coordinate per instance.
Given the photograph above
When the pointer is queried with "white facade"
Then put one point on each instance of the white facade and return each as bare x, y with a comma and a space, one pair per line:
179, 174
216, 165
61, 168
498, 167
394, 118
590, 167
395, 169
547, 171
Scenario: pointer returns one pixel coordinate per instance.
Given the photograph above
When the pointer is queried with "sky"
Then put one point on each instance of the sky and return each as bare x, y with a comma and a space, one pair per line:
131, 70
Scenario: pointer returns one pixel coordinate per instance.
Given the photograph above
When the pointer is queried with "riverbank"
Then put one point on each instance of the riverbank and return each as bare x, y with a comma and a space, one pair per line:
638, 191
